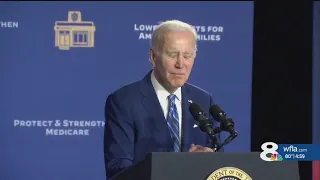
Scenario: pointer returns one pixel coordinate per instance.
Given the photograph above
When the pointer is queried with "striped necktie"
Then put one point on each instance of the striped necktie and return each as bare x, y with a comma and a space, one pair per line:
173, 122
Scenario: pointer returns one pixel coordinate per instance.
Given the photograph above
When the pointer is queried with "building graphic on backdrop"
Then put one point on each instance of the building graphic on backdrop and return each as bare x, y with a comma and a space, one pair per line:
74, 33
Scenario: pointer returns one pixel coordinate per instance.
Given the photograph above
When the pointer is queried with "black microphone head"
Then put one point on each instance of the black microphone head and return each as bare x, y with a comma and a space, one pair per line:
197, 113
195, 110
216, 112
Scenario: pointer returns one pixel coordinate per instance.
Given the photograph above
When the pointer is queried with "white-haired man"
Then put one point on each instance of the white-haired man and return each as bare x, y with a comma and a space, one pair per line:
151, 115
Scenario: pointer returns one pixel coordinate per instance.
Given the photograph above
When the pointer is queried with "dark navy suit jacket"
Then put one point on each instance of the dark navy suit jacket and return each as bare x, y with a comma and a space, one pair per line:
135, 124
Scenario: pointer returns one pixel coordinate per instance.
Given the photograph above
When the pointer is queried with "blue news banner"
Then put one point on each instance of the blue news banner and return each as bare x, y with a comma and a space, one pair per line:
294, 152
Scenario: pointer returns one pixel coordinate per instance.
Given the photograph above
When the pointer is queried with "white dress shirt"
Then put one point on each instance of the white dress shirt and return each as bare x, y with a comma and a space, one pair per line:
163, 94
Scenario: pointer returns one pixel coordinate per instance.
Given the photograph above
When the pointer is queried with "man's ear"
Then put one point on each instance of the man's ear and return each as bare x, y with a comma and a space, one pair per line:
152, 57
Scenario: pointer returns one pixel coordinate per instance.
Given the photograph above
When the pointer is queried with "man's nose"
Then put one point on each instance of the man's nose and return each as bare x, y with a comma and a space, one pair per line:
179, 62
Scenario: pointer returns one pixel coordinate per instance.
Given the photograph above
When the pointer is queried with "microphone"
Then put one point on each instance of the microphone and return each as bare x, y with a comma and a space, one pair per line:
226, 124
204, 124
219, 115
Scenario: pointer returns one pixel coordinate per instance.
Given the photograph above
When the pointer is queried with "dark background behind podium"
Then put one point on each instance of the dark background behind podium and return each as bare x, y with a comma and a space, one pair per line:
282, 75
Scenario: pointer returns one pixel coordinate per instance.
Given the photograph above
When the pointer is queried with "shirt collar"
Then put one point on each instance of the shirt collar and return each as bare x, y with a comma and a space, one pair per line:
161, 91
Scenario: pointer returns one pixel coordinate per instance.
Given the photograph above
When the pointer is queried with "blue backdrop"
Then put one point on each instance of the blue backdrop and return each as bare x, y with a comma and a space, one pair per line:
60, 60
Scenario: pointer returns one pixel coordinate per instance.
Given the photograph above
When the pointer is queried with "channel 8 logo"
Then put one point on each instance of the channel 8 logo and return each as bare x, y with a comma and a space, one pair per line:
269, 152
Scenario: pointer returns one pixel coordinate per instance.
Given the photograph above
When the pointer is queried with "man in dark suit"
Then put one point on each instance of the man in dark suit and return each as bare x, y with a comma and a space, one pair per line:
152, 115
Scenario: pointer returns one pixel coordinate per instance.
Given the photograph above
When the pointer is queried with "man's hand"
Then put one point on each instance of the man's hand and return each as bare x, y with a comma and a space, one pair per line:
197, 148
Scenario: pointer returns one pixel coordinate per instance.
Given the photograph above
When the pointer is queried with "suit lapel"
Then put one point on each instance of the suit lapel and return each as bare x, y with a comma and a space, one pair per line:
187, 123
153, 107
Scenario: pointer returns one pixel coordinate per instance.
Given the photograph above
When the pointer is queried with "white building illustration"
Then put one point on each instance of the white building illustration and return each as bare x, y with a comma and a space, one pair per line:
74, 32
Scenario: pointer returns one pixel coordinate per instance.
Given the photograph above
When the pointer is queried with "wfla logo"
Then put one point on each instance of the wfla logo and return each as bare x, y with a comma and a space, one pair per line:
74, 32
269, 152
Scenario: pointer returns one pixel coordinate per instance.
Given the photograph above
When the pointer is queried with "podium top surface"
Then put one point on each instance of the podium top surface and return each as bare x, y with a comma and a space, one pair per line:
211, 166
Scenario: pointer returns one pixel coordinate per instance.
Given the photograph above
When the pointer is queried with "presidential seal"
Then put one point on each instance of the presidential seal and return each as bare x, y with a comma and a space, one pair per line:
229, 173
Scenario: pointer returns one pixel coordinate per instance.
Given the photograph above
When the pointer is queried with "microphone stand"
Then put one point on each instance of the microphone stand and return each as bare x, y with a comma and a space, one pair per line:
214, 140
230, 137
205, 126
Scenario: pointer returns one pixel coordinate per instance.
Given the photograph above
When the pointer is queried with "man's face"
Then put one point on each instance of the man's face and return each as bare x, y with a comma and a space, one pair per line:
174, 61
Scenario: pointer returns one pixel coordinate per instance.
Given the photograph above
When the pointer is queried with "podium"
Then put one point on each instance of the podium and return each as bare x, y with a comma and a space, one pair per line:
209, 166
